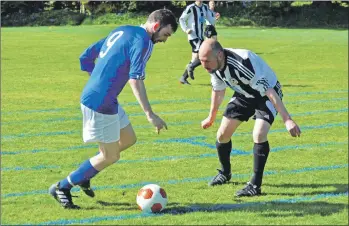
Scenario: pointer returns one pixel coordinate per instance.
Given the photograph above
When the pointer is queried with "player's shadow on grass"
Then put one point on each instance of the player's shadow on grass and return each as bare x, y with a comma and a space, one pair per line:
122, 205
117, 205
204, 84
267, 209
103, 203
295, 85
268, 53
340, 188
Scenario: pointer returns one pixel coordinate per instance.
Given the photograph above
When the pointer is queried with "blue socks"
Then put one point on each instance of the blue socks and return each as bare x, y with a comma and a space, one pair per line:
85, 172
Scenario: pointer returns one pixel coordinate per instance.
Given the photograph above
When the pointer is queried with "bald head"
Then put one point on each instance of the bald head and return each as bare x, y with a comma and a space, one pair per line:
209, 48
211, 55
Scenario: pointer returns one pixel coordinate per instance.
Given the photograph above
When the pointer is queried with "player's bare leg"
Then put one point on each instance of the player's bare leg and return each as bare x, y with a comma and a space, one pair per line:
227, 128
127, 139
261, 151
108, 154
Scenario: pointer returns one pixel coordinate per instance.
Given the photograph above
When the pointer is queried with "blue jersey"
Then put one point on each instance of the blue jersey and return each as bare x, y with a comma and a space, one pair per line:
120, 56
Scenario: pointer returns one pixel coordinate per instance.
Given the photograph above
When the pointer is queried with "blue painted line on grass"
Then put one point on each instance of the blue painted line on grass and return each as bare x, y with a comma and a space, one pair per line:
57, 133
47, 150
158, 102
191, 209
26, 135
98, 219
303, 128
320, 112
317, 92
169, 158
62, 119
191, 140
241, 152
325, 126
185, 180
315, 101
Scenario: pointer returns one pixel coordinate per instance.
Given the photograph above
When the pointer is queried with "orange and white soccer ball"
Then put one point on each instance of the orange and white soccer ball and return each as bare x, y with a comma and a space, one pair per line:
151, 198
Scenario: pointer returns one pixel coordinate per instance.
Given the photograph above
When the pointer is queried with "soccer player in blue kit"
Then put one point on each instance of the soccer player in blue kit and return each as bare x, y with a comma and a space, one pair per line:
121, 58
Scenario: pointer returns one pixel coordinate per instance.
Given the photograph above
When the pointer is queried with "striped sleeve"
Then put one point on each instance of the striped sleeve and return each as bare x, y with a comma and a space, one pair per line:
264, 78
139, 56
210, 16
184, 17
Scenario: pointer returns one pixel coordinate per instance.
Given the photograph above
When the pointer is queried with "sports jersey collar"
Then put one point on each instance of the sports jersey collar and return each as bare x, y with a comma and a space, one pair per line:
199, 6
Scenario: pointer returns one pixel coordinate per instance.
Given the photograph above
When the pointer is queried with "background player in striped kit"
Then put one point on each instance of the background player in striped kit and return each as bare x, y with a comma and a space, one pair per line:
192, 22
121, 58
257, 93
210, 30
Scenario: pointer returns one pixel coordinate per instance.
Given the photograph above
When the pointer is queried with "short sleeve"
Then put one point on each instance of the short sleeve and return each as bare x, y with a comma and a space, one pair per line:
217, 84
140, 53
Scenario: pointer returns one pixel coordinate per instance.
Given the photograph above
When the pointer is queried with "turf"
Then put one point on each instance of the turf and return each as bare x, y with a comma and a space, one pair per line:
306, 179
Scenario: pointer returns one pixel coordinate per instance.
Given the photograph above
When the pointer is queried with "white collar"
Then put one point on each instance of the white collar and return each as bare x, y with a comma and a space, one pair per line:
143, 26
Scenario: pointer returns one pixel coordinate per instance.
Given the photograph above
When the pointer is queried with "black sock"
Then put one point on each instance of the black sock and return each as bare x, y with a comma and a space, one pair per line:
260, 156
196, 63
185, 75
224, 150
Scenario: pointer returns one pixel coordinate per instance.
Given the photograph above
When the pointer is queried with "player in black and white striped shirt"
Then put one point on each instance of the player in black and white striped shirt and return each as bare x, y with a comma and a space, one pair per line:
257, 93
210, 30
192, 22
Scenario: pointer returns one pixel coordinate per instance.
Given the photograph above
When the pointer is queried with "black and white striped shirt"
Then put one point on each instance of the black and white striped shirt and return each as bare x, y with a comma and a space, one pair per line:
246, 73
213, 15
194, 17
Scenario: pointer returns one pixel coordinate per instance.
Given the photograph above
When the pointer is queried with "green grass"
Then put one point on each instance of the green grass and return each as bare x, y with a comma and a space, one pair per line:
306, 180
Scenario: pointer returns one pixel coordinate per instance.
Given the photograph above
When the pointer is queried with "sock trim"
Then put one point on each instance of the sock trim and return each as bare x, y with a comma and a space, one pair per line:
70, 182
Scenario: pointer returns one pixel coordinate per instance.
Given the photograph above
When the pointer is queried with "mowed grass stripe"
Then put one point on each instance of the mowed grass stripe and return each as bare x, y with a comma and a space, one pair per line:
234, 152
185, 180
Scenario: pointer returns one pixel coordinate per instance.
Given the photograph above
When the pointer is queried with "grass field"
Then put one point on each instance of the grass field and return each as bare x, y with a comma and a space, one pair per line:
306, 179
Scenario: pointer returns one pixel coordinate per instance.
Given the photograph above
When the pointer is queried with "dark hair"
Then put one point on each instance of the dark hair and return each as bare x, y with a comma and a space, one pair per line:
165, 17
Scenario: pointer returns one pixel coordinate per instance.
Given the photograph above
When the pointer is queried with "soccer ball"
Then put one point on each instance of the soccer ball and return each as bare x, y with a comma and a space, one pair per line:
151, 198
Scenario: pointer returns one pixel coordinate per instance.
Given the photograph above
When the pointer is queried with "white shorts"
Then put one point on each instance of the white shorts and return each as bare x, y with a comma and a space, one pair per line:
98, 127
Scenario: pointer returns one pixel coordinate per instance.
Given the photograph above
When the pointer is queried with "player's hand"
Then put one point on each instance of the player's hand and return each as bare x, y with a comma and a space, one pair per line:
157, 122
217, 16
208, 122
189, 31
293, 128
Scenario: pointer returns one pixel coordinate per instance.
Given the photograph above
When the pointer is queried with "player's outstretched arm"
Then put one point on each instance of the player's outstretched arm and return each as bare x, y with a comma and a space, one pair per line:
291, 125
140, 93
217, 97
210, 17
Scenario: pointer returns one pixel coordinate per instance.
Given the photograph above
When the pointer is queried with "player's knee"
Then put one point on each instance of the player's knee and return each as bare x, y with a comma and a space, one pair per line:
111, 158
128, 143
259, 136
223, 137
132, 141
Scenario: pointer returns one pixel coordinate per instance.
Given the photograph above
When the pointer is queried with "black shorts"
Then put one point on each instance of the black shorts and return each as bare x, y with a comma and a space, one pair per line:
210, 31
195, 45
243, 108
